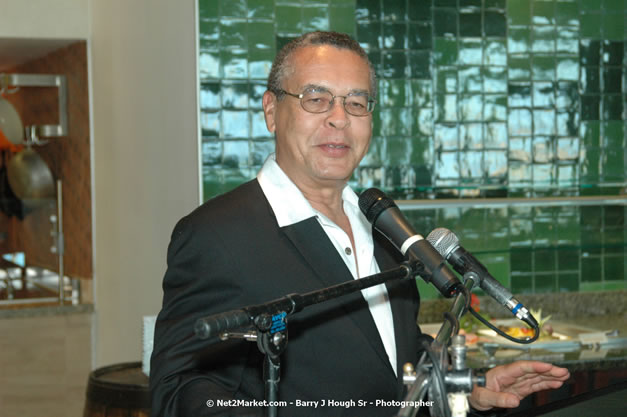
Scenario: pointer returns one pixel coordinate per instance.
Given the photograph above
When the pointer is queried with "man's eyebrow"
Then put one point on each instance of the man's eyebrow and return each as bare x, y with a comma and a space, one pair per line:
355, 91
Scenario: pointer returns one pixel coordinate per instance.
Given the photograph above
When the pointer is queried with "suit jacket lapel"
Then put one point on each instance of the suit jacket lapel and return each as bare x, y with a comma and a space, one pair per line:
317, 250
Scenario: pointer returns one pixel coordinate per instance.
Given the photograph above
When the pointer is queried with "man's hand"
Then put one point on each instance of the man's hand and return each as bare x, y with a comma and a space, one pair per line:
507, 384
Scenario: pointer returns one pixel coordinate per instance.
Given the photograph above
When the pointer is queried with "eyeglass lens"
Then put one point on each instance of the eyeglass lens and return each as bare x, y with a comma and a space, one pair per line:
320, 101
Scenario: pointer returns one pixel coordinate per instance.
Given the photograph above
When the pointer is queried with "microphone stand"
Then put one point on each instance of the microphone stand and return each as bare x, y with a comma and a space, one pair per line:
434, 378
270, 321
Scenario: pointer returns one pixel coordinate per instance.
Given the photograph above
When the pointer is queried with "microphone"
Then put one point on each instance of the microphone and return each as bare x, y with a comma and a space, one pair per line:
447, 244
386, 217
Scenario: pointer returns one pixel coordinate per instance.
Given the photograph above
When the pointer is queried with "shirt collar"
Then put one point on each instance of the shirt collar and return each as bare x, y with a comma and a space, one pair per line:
278, 188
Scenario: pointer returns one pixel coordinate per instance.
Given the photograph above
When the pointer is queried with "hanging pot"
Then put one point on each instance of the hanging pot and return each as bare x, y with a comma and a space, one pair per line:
29, 176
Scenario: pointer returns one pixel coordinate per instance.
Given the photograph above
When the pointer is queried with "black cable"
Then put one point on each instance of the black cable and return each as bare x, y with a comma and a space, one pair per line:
502, 333
438, 376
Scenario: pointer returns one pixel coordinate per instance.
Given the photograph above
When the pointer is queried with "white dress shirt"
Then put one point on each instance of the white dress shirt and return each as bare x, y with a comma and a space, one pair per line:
278, 189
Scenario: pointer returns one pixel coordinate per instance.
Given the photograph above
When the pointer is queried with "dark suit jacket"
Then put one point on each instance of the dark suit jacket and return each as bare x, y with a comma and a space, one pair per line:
230, 253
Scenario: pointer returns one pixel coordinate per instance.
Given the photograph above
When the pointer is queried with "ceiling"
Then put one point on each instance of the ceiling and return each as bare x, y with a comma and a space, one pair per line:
16, 51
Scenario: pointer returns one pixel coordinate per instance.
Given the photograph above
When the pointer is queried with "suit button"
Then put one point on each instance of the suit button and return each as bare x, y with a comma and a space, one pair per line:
348, 251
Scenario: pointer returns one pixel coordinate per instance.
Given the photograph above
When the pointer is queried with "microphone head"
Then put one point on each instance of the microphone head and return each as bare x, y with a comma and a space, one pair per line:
443, 240
373, 202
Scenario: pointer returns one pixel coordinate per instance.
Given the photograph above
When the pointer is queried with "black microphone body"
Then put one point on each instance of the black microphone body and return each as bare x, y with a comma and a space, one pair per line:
386, 217
447, 244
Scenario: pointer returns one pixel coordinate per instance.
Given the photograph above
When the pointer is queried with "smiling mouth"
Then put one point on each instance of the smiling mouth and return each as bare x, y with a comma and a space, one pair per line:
330, 145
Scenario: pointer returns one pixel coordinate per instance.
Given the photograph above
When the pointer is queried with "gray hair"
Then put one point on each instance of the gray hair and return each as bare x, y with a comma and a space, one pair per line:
281, 65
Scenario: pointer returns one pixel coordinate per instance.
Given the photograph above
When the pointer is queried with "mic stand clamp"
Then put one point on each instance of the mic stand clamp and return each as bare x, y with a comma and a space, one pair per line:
448, 388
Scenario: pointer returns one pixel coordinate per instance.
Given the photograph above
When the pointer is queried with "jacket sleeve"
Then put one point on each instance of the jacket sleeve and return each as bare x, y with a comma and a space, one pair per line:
187, 372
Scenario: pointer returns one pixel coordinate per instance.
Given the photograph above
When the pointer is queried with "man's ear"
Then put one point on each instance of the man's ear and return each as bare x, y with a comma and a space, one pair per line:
269, 102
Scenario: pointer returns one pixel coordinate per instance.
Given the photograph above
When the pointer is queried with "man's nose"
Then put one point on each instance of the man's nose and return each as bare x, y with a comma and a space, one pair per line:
338, 117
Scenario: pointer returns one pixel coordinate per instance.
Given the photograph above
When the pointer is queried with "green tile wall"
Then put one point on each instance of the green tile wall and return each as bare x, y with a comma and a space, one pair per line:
478, 98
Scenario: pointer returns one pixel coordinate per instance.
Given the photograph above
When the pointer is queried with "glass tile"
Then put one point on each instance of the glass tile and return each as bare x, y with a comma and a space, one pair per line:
543, 68
567, 95
211, 151
419, 36
542, 149
261, 37
260, 9
613, 134
209, 96
422, 92
234, 95
521, 284
446, 80
419, 10
543, 39
543, 12
236, 153
394, 11
545, 283
590, 166
568, 175
398, 151
519, 173
395, 122
394, 64
394, 93
446, 137
421, 150
567, 123
591, 269
260, 149
470, 52
543, 94
590, 6
494, 79
208, 65
495, 53
494, 107
471, 135
234, 64
613, 26
544, 122
496, 164
519, 40
519, 68
470, 79
233, 34
420, 64
520, 149
471, 108
369, 35
613, 268
495, 4
234, 124
590, 79
470, 25
568, 282
445, 52
444, 22
567, 41
590, 52
288, 19
545, 259
613, 106
590, 25
567, 68
543, 175
315, 18
210, 123
446, 107
342, 19
496, 136
255, 94
425, 122
447, 166
519, 122
368, 10
209, 35
258, 127
612, 80
519, 12
471, 164
614, 165
567, 13
613, 52
233, 8
519, 94
495, 24
207, 9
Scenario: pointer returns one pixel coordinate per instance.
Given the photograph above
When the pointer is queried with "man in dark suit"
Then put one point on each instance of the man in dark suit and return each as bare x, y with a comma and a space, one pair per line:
294, 229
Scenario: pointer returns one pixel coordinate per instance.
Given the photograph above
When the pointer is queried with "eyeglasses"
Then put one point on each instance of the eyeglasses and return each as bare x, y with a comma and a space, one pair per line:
316, 100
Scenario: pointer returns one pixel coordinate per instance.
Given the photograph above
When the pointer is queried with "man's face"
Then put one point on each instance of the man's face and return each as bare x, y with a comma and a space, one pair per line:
320, 149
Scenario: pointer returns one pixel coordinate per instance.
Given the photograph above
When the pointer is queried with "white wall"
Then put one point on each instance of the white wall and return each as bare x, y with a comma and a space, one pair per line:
61, 19
143, 76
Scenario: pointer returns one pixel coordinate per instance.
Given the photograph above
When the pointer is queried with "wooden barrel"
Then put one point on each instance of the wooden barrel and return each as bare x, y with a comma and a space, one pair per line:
118, 391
